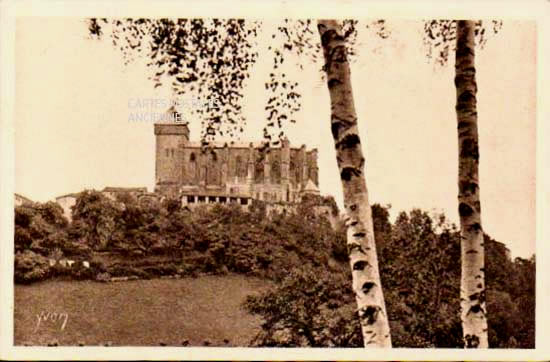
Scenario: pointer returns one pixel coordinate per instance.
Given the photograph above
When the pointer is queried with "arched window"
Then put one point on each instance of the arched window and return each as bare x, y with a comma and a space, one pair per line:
259, 170
314, 175
276, 172
192, 172
213, 170
238, 165
296, 173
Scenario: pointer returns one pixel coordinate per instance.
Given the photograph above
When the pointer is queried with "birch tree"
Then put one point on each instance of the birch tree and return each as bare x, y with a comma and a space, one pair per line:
472, 284
351, 164
472, 298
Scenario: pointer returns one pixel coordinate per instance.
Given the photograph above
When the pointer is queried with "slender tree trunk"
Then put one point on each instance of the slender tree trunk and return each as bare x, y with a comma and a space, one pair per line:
472, 288
360, 232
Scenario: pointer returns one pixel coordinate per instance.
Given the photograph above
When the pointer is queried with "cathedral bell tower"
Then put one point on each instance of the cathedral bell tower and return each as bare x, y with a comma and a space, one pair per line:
171, 134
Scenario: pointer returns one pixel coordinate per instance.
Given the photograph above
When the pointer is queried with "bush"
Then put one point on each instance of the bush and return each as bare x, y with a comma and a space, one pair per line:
39, 226
31, 267
310, 308
22, 238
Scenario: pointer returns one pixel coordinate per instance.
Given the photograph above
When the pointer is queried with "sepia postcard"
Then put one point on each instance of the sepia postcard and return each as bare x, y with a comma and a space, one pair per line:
248, 180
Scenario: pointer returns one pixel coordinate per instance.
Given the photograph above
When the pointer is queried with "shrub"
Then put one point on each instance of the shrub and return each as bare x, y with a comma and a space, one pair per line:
310, 308
31, 267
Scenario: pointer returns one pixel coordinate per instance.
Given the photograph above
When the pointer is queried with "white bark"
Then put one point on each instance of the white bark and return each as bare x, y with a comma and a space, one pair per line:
360, 233
472, 288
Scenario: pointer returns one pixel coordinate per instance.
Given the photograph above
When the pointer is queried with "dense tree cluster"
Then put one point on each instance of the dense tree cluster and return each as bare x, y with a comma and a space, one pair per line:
420, 270
213, 239
312, 303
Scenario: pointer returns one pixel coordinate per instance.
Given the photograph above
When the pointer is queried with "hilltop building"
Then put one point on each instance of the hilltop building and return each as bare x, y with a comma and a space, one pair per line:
69, 200
21, 200
222, 173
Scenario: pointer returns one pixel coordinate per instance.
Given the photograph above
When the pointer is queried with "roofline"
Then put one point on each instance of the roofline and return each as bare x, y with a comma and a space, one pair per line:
73, 194
21, 196
241, 145
123, 189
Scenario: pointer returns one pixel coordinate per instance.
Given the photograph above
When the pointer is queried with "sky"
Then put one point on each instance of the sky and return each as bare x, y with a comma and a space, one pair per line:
75, 97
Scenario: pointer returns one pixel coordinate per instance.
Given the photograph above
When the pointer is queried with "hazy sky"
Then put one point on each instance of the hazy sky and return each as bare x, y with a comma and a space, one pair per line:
74, 97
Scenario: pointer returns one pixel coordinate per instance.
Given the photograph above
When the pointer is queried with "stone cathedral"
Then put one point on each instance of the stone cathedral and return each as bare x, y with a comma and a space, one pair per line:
225, 173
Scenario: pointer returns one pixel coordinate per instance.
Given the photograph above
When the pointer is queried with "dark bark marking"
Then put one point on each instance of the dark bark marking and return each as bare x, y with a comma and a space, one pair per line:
348, 172
476, 308
359, 234
321, 27
471, 251
338, 54
335, 129
475, 227
327, 36
464, 51
465, 210
369, 314
467, 75
367, 287
469, 149
333, 82
471, 341
482, 297
467, 186
349, 141
354, 247
360, 265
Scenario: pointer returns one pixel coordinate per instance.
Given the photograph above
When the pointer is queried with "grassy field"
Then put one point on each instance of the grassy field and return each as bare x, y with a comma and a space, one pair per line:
142, 312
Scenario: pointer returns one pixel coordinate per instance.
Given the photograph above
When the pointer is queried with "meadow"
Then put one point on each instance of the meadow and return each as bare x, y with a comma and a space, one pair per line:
141, 312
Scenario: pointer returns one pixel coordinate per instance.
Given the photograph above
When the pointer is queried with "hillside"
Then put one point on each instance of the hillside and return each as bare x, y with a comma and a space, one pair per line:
310, 302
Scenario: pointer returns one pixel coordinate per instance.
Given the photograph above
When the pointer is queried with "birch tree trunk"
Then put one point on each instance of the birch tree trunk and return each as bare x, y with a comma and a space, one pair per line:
472, 288
349, 156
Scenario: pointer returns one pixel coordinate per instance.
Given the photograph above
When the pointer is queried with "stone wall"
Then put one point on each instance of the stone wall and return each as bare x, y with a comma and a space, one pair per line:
259, 172
66, 202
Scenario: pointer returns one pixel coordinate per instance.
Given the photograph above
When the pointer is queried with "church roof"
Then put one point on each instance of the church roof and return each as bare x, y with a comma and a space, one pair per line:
22, 198
240, 144
72, 194
311, 187
124, 189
